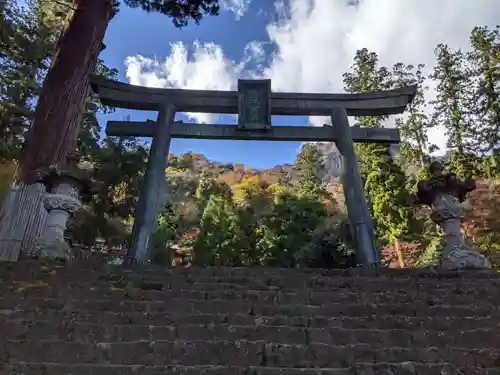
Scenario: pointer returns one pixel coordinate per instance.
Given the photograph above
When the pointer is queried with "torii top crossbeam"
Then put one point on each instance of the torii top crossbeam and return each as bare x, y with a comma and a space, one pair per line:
380, 103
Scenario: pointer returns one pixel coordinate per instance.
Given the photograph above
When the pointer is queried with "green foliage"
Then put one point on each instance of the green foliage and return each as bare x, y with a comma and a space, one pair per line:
484, 67
250, 192
25, 52
330, 246
453, 100
209, 186
181, 11
308, 166
220, 241
166, 232
415, 127
181, 162
430, 255
287, 228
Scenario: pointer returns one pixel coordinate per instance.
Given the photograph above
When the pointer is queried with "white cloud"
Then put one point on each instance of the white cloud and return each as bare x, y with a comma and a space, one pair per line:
316, 40
238, 7
207, 69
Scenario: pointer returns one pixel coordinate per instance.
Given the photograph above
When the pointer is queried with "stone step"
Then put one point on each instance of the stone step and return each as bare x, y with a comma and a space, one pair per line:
219, 306
377, 338
265, 283
236, 353
30, 268
258, 279
407, 368
389, 321
426, 296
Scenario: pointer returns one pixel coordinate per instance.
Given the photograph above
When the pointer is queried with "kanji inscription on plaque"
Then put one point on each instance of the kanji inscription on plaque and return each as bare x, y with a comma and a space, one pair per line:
254, 104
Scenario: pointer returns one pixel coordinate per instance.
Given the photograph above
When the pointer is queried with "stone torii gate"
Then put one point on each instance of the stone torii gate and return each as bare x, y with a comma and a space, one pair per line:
254, 103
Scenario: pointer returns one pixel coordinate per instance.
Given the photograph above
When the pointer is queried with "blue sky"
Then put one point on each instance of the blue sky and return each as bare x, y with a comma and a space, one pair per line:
301, 45
136, 32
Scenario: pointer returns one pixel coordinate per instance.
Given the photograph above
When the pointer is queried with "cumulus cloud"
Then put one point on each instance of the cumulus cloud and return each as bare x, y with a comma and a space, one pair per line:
207, 69
238, 7
315, 41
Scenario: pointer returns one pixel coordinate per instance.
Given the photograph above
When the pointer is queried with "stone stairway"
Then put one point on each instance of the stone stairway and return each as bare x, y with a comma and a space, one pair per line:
105, 320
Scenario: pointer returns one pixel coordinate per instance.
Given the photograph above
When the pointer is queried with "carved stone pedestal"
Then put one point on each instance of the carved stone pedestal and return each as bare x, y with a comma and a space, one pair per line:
60, 204
446, 194
65, 185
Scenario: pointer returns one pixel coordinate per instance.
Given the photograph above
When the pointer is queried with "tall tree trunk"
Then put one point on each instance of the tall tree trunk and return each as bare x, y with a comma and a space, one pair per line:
60, 107
57, 120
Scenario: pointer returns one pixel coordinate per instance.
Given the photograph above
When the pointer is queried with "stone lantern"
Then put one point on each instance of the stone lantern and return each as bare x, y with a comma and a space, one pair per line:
445, 194
66, 185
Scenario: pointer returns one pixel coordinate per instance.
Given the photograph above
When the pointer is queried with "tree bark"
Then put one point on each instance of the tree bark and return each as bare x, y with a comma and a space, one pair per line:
60, 107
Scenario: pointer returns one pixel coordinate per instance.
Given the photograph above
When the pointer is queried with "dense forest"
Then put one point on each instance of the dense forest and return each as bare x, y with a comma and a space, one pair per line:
286, 216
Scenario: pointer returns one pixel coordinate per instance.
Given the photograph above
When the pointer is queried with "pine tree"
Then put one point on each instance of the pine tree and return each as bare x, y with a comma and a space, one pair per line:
207, 187
308, 166
284, 231
220, 239
366, 76
415, 127
385, 181
24, 59
452, 104
484, 60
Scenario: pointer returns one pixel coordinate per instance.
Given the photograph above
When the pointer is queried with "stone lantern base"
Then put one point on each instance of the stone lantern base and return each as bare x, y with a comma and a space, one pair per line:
462, 257
65, 186
60, 206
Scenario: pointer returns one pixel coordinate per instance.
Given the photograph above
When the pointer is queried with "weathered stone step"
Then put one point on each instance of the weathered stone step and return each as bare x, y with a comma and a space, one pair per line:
271, 282
439, 323
426, 296
247, 307
30, 268
258, 279
407, 368
376, 338
239, 353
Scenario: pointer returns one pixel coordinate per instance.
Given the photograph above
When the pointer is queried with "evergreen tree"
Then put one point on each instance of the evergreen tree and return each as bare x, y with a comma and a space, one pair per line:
285, 230
414, 129
25, 54
484, 60
452, 104
166, 231
385, 181
366, 76
208, 186
308, 166
219, 242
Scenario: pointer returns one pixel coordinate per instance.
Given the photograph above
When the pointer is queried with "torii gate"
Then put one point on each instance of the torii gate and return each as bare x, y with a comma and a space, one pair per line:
254, 103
